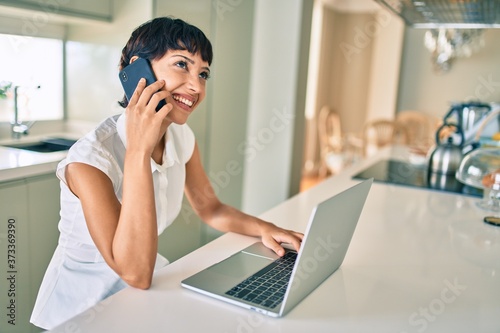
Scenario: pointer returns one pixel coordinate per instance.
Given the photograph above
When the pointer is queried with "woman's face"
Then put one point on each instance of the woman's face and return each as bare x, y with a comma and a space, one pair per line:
185, 75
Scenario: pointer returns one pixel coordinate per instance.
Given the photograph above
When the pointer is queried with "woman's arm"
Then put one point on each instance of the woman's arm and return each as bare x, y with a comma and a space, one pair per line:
225, 218
126, 234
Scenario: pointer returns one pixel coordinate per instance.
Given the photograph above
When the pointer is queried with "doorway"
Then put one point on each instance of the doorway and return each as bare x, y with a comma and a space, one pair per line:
354, 70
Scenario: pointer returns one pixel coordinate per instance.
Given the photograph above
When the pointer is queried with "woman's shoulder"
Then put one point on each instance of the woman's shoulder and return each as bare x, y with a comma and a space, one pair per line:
106, 129
103, 137
101, 148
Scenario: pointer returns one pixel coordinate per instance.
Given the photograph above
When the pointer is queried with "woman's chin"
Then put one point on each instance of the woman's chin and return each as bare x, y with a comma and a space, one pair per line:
179, 119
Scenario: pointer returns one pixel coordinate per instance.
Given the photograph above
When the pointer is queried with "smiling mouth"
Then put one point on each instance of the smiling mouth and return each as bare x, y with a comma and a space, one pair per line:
183, 100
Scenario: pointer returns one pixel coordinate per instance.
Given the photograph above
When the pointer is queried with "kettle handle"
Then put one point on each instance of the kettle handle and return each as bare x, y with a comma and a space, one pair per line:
459, 131
455, 108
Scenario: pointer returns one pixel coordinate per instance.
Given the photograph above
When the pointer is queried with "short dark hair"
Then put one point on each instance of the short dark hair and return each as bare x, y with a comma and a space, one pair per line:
151, 40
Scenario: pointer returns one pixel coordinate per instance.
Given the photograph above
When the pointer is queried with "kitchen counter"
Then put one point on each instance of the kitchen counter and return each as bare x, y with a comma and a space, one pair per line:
19, 163
419, 261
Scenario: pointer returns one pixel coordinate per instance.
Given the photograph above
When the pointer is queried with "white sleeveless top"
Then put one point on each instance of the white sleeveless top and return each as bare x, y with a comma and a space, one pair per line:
77, 276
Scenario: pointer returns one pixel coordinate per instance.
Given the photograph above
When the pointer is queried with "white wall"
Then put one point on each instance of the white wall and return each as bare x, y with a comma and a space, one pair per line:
227, 123
359, 64
272, 108
421, 88
386, 31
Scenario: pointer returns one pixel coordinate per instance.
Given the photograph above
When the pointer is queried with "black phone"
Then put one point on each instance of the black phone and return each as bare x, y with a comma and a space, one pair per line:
130, 76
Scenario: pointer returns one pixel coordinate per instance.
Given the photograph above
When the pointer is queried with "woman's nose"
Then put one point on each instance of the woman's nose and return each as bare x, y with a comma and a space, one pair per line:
194, 83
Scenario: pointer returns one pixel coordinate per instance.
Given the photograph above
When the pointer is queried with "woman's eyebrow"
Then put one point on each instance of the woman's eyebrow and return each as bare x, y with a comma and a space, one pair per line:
191, 61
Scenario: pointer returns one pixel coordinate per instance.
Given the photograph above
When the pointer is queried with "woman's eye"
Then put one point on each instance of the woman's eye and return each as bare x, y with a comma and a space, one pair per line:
181, 64
205, 75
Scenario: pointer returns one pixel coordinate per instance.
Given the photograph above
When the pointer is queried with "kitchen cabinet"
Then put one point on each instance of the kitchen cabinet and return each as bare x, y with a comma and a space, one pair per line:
100, 10
29, 214
14, 284
43, 234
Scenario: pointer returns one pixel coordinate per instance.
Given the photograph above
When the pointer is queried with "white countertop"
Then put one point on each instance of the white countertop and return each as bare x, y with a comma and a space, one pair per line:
419, 261
19, 163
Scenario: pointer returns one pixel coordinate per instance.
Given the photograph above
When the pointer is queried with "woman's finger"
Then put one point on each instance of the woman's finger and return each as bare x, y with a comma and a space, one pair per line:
158, 97
147, 93
276, 247
137, 92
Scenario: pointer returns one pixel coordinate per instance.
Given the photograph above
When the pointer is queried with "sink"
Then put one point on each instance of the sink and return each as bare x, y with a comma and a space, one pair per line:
44, 146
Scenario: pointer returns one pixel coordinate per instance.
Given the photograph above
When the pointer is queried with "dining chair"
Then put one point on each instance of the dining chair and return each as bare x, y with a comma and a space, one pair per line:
330, 139
378, 133
420, 127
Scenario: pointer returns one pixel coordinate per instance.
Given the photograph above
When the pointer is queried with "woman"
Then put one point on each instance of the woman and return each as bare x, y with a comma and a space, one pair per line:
123, 183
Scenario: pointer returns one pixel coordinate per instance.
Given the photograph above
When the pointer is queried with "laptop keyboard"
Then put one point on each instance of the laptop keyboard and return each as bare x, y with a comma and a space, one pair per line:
267, 287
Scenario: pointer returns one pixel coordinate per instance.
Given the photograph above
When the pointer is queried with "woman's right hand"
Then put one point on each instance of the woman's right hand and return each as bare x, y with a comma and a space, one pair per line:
144, 126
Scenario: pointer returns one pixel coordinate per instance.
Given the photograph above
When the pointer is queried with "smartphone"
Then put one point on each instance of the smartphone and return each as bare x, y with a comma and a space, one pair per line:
130, 76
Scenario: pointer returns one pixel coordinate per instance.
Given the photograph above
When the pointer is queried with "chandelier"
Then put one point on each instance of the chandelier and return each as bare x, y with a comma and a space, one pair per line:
446, 44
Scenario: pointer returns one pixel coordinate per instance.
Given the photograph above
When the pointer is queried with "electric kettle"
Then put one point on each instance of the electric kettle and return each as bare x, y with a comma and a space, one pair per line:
467, 116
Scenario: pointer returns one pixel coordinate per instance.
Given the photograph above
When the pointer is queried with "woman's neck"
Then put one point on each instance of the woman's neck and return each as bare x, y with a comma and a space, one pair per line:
157, 155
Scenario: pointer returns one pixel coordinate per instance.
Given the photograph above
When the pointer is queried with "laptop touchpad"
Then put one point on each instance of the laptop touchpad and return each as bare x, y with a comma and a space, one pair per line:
240, 265
224, 275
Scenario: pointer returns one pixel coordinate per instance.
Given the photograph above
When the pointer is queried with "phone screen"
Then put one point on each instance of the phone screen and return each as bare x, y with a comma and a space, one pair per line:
130, 76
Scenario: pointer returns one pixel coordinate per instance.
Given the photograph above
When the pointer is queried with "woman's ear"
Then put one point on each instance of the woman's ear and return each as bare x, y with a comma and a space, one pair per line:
134, 58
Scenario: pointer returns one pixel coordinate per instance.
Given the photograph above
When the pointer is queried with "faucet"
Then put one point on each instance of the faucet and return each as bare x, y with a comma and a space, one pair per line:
19, 128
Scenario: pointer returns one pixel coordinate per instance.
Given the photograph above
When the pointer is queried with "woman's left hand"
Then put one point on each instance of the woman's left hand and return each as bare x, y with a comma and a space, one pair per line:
273, 236
225, 218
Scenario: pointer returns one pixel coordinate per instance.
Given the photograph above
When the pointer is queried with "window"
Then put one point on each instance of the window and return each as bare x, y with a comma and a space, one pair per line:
32, 67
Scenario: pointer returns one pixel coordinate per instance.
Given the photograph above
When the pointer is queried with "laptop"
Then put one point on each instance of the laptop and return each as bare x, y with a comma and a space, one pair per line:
256, 278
